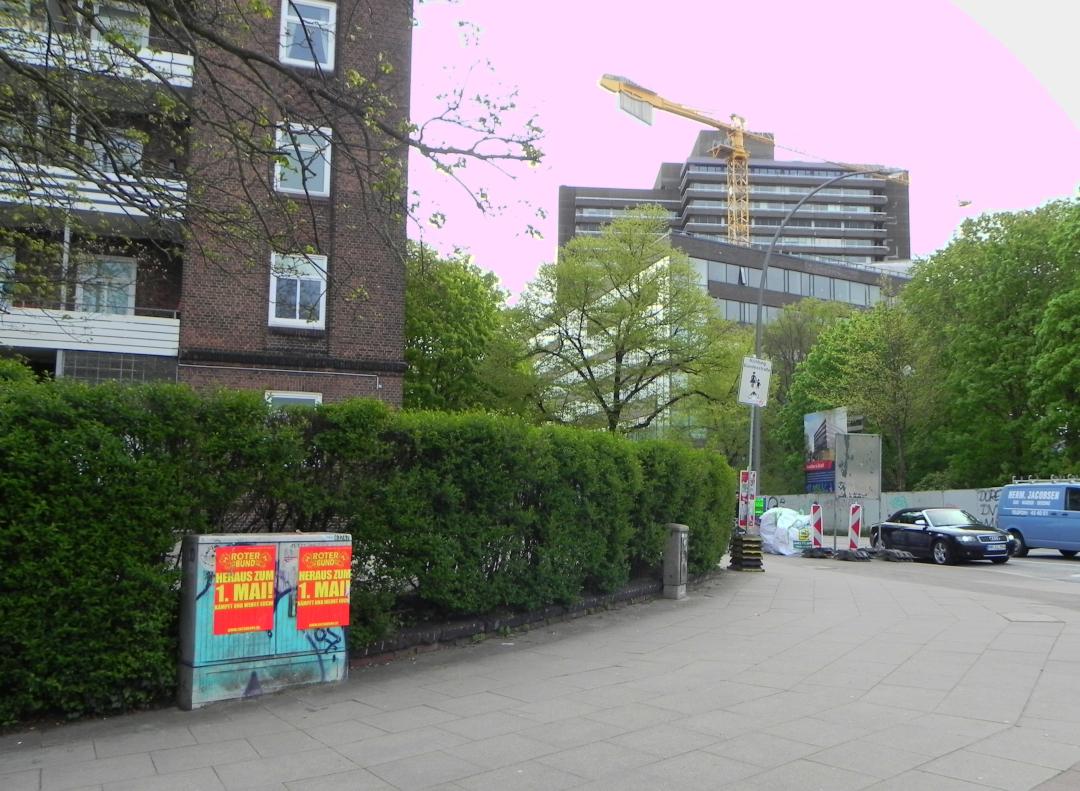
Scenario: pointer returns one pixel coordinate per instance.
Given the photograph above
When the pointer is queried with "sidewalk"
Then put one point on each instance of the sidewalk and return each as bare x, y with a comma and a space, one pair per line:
817, 674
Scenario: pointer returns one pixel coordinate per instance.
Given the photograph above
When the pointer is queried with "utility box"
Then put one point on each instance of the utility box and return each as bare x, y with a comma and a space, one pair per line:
261, 612
676, 552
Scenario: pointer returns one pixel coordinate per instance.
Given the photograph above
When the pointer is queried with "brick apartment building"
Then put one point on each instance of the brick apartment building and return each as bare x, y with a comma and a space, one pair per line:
244, 241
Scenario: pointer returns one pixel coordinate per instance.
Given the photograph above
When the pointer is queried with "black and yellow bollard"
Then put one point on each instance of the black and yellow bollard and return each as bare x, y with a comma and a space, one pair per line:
746, 553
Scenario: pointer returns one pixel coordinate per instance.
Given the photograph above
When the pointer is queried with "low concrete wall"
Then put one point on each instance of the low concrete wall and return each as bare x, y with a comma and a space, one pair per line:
980, 502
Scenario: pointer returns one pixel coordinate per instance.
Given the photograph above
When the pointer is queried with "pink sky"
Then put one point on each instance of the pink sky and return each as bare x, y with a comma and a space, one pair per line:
921, 85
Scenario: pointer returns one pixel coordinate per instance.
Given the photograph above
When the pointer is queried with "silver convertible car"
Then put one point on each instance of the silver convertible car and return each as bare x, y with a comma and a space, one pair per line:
943, 535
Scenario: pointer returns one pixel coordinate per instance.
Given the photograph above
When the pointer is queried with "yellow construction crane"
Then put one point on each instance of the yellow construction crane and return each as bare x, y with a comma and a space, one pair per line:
639, 101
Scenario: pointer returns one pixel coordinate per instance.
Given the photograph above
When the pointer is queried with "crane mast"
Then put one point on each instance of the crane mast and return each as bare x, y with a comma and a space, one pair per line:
639, 102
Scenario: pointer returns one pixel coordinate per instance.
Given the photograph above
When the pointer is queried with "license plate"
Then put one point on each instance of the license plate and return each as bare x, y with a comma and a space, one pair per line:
995, 547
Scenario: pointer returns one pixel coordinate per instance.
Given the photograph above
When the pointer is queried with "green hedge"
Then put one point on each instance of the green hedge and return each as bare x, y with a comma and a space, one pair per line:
464, 514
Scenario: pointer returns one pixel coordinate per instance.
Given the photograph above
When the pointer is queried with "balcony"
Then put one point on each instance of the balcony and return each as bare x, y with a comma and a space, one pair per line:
47, 186
39, 46
43, 328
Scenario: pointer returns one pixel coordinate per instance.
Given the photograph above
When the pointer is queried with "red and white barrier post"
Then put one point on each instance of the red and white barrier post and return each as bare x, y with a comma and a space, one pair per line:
854, 526
815, 521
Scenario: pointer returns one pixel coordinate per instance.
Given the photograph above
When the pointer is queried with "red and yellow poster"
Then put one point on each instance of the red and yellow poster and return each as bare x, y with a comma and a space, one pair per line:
244, 589
322, 587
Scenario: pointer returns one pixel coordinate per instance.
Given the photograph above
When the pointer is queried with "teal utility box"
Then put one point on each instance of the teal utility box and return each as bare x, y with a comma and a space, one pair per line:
261, 612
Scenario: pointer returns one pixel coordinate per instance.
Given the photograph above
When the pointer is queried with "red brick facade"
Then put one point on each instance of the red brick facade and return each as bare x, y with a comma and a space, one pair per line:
225, 336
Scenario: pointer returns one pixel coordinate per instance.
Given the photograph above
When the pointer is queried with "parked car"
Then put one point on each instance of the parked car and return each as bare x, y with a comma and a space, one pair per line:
1041, 514
943, 535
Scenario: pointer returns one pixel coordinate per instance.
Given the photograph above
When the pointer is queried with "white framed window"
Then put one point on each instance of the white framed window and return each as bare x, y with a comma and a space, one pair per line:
283, 398
125, 19
308, 28
107, 285
298, 291
303, 164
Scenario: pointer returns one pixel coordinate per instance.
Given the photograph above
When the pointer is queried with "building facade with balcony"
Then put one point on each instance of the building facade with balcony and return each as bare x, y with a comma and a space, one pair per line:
184, 219
842, 244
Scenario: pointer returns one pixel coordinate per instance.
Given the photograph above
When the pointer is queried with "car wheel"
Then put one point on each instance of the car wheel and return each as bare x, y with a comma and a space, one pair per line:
1021, 548
999, 561
1069, 553
941, 553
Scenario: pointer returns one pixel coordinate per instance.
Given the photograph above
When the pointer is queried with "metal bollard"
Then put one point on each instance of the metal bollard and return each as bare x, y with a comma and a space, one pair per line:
675, 553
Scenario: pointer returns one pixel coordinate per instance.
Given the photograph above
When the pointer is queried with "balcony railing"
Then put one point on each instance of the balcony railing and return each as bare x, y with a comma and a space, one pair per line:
52, 187
44, 328
40, 46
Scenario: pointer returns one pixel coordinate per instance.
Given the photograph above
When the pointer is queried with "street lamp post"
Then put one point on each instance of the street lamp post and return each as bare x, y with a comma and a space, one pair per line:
754, 453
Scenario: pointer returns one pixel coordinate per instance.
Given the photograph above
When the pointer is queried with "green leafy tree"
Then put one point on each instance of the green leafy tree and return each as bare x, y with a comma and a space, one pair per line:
788, 340
864, 363
451, 317
1055, 371
620, 327
977, 307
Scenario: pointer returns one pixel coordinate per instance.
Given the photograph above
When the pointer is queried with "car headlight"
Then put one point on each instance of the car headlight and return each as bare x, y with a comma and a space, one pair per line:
969, 539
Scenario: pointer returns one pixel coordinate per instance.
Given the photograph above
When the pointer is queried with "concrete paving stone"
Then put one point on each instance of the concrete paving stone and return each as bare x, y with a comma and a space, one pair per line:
256, 724
31, 757
722, 724
326, 713
25, 780
921, 740
104, 770
462, 687
1053, 730
965, 726
396, 698
977, 703
633, 716
178, 759
664, 740
259, 772
142, 741
1030, 746
702, 770
819, 732
552, 710
483, 726
23, 740
1066, 781
911, 698
989, 770
335, 733
203, 779
916, 780
710, 697
477, 703
424, 771
527, 776
565, 734
352, 780
603, 677
868, 758
294, 741
534, 691
615, 695
777, 708
806, 775
408, 718
498, 751
592, 761
398, 745
761, 749
868, 716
